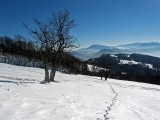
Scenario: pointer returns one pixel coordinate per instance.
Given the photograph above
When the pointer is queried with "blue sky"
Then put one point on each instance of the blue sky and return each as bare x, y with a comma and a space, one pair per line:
107, 22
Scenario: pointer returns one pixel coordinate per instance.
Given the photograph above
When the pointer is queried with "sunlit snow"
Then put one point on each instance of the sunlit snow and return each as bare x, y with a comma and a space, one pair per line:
132, 62
73, 97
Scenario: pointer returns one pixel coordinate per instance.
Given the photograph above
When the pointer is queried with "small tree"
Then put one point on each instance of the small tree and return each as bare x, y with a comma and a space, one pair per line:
53, 38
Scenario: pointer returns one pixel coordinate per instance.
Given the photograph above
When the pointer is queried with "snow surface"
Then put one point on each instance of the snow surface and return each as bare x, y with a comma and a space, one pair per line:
113, 56
93, 68
73, 97
149, 66
131, 62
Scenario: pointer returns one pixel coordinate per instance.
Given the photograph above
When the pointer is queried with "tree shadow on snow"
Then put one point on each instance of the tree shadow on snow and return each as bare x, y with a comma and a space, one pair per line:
15, 82
43, 82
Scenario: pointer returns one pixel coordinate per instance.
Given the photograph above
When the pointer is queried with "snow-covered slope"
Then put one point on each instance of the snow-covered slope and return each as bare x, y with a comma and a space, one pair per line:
135, 101
73, 97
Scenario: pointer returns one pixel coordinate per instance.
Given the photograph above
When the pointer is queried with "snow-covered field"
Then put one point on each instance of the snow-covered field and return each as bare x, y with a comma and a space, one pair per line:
73, 97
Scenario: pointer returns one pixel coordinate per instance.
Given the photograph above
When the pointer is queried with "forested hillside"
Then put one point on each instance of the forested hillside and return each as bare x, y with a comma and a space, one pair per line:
24, 52
135, 67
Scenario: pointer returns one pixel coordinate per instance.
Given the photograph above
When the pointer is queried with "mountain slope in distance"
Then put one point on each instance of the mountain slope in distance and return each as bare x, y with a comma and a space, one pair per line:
96, 50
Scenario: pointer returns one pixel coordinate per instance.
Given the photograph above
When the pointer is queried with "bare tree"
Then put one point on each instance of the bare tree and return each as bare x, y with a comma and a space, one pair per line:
54, 38
61, 24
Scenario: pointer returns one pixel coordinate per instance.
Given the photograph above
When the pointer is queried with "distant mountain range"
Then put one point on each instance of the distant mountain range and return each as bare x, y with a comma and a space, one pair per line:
96, 50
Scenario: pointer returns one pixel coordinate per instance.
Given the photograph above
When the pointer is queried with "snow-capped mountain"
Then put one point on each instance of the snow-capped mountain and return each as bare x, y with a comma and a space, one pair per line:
99, 47
93, 51
89, 52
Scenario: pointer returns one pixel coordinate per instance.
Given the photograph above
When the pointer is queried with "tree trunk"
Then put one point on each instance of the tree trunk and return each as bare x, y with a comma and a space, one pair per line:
46, 75
52, 74
54, 67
